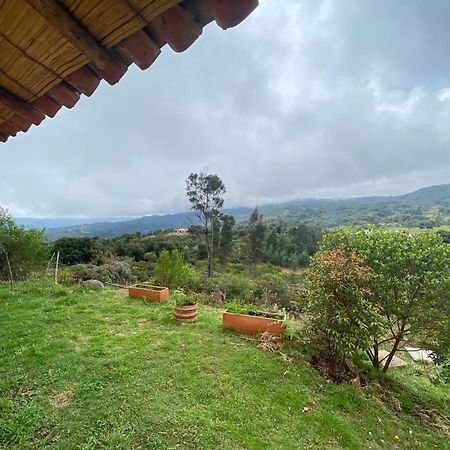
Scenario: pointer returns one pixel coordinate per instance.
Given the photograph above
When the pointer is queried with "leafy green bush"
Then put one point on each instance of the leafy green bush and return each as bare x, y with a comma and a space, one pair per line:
272, 289
120, 272
141, 270
76, 250
341, 315
235, 268
253, 310
411, 285
235, 287
117, 272
82, 272
24, 248
170, 269
181, 298
192, 280
268, 269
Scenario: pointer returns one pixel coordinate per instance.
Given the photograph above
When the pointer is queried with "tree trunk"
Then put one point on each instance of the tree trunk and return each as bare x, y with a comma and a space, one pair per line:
376, 358
208, 250
397, 341
373, 355
9, 267
211, 254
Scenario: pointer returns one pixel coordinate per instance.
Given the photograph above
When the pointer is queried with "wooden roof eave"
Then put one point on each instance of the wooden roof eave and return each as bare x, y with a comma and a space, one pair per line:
54, 51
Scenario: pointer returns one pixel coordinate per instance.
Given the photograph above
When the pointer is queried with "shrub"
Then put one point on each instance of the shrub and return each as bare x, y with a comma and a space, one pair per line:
25, 249
119, 272
181, 298
267, 268
235, 287
235, 268
76, 250
272, 289
82, 272
116, 272
142, 270
411, 286
341, 315
172, 271
193, 280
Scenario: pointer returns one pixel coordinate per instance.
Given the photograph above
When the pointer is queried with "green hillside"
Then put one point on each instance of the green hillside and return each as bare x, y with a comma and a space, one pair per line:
427, 207
83, 370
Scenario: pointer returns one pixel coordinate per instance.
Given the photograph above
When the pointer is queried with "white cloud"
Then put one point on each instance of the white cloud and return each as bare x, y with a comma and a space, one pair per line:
304, 98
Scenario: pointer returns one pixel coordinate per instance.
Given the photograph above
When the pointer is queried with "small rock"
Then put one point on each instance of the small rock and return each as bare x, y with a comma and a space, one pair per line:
217, 294
356, 382
93, 284
420, 354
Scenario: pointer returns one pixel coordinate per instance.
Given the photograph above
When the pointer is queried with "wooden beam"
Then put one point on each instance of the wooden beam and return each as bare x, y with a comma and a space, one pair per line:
61, 19
25, 109
20, 123
84, 80
201, 10
61, 93
8, 129
177, 27
47, 106
140, 48
229, 13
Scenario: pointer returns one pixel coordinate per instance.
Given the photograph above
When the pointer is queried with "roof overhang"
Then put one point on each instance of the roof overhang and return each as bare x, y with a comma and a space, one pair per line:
53, 51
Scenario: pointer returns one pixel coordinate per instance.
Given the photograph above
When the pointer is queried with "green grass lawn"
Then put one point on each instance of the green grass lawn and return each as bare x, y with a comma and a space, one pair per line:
90, 370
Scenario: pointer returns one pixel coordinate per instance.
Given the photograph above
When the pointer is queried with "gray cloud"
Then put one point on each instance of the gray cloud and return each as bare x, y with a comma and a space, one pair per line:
309, 98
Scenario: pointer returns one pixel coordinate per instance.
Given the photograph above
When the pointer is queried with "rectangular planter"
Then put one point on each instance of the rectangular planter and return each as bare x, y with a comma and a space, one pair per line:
148, 292
254, 324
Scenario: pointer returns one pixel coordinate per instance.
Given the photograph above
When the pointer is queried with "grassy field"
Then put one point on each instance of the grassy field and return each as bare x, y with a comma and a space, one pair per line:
90, 370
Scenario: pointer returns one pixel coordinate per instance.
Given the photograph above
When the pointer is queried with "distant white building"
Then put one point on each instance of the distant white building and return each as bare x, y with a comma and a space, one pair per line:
181, 231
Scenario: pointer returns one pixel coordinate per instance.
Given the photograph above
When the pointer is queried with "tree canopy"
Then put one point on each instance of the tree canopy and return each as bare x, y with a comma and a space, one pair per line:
21, 249
410, 288
205, 193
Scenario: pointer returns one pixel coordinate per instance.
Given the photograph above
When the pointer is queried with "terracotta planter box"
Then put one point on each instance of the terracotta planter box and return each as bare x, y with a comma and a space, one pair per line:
151, 293
272, 323
187, 313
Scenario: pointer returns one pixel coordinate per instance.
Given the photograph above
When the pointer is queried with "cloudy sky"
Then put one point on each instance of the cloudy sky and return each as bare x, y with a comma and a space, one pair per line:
330, 98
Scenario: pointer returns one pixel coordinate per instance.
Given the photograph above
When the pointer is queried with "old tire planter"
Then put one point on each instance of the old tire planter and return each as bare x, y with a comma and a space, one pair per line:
187, 313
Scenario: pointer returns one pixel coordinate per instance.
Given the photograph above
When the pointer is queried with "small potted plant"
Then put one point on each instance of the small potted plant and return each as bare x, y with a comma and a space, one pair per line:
149, 292
248, 319
186, 307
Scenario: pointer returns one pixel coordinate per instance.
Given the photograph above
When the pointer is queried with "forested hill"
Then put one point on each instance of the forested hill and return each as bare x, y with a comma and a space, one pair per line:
426, 207
143, 225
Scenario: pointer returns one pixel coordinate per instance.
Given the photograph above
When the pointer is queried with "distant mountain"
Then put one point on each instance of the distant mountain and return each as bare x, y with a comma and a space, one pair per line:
425, 207
31, 222
143, 225
427, 195
432, 194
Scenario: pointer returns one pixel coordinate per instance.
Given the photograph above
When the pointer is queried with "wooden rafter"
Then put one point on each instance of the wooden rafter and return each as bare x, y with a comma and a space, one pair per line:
52, 53
61, 19
25, 109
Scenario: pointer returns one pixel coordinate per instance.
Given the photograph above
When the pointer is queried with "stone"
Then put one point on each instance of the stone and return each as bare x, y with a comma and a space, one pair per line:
420, 354
217, 294
95, 285
396, 361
